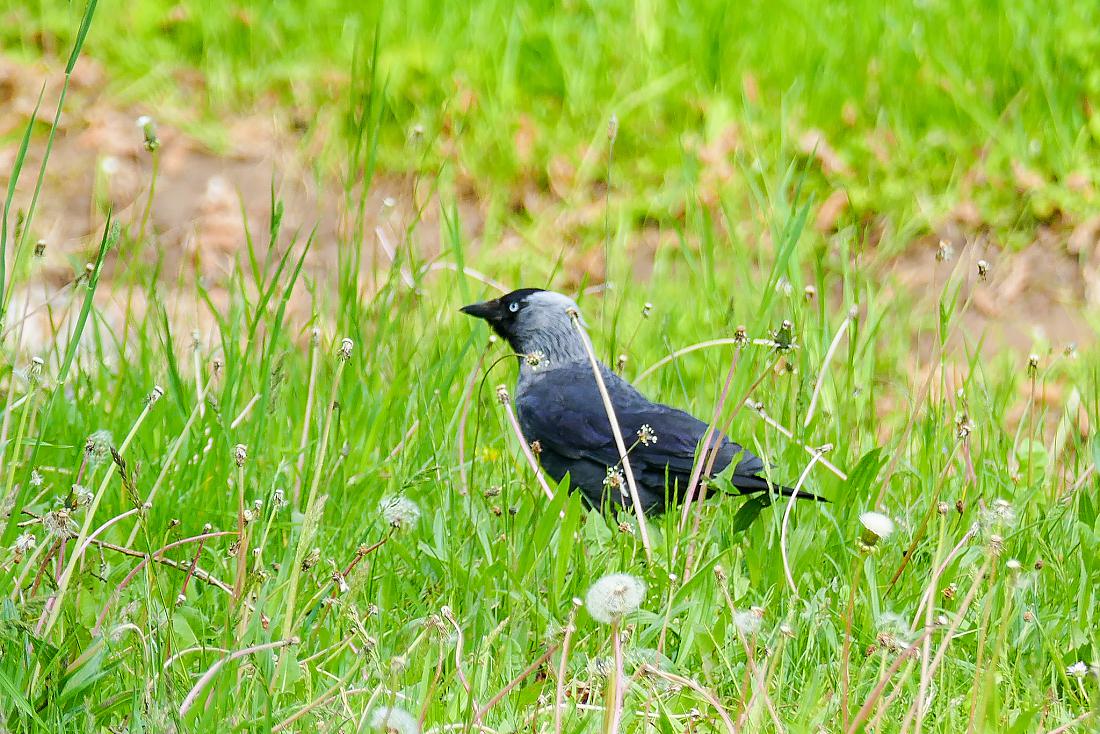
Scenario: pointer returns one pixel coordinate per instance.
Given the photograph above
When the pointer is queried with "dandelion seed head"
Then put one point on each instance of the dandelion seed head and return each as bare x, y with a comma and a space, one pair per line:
82, 496
876, 527
23, 544
998, 514
59, 523
747, 622
614, 596
98, 447
399, 511
394, 720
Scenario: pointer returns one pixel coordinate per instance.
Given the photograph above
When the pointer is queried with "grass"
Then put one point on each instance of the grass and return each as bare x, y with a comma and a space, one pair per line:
923, 107
223, 559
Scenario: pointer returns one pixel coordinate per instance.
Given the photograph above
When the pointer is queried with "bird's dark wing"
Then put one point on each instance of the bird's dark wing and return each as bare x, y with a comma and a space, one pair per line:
562, 410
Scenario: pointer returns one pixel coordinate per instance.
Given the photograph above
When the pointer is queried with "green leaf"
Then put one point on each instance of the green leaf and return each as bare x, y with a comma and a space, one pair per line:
747, 513
868, 467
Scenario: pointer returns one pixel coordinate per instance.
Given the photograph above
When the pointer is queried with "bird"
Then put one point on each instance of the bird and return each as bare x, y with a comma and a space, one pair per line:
561, 411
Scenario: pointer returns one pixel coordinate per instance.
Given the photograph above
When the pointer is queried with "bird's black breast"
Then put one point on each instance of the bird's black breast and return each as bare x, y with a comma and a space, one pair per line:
562, 409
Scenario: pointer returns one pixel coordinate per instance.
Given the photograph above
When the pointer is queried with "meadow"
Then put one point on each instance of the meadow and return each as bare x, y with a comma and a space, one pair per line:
274, 485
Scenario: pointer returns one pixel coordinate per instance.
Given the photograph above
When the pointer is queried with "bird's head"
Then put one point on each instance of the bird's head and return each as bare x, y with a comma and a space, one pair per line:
532, 320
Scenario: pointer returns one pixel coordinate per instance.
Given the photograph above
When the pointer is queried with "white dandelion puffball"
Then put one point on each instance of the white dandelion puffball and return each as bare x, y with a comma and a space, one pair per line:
877, 524
393, 720
614, 596
399, 511
747, 622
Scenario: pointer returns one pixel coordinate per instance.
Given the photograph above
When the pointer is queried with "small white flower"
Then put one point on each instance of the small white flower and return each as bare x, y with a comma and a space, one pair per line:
535, 359
876, 527
346, 345
614, 479
1013, 565
278, 499
393, 720
646, 435
36, 478
614, 596
399, 511
142, 121
240, 454
1077, 670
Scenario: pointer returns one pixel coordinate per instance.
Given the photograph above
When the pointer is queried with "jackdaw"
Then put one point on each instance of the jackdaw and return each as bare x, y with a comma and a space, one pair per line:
559, 406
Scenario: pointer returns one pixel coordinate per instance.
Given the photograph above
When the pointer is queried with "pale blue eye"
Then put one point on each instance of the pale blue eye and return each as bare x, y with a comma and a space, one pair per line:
513, 307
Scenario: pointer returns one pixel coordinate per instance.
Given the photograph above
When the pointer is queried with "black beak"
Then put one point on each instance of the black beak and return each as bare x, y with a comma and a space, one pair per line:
488, 310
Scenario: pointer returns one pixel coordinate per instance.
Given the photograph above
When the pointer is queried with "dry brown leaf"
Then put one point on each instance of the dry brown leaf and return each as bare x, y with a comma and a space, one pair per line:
831, 210
813, 143
1027, 179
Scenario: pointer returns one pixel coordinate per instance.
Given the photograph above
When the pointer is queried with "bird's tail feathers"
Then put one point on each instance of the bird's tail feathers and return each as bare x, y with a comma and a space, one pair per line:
753, 484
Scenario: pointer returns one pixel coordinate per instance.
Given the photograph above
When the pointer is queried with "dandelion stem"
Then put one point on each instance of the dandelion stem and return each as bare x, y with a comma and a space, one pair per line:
304, 441
876, 694
308, 529
708, 437
786, 523
857, 570
208, 676
559, 686
524, 446
615, 689
616, 432
515, 682
168, 461
825, 366
149, 201
759, 410
688, 683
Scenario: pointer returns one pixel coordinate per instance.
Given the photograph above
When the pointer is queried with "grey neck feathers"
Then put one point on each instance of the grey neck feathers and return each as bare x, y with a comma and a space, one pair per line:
555, 343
